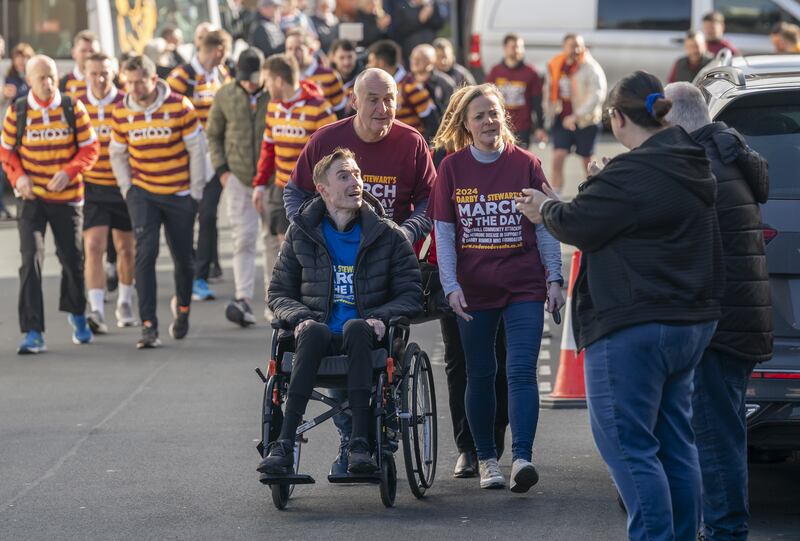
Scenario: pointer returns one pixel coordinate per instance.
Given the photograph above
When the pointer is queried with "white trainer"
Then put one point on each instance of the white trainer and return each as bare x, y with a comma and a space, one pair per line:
491, 477
523, 476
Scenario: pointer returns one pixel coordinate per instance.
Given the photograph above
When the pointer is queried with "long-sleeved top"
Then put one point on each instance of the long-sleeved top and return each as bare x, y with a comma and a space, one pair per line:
549, 247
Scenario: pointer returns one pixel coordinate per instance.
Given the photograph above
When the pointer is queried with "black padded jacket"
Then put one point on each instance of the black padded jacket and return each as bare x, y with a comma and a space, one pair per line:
648, 230
386, 275
745, 328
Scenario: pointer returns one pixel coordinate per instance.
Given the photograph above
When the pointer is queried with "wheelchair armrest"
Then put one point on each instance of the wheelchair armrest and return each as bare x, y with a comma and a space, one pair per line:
399, 321
280, 324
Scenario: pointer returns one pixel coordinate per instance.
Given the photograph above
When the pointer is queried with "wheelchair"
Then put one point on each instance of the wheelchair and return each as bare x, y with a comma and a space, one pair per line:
403, 406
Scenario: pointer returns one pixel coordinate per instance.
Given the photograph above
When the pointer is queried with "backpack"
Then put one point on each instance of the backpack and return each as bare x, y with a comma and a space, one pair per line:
21, 109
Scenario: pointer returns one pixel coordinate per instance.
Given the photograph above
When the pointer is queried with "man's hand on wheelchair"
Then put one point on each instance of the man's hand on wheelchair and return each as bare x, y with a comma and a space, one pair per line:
377, 326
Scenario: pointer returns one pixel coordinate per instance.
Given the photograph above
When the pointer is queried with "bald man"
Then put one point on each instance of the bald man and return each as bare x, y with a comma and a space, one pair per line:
395, 165
438, 84
44, 165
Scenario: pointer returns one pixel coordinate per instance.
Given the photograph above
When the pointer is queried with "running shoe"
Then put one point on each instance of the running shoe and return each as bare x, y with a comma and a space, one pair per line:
180, 325
81, 333
239, 312
125, 316
32, 342
491, 477
523, 476
149, 339
201, 291
97, 322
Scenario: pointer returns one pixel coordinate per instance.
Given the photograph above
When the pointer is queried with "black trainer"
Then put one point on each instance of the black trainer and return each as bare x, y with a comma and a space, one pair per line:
339, 466
149, 339
280, 458
180, 325
239, 312
359, 458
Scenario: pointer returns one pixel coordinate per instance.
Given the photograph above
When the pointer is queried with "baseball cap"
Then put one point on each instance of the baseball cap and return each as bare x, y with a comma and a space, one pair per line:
248, 67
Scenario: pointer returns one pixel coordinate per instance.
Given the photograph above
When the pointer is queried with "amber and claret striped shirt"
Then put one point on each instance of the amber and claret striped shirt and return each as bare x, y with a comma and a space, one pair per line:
100, 113
289, 127
159, 159
74, 84
329, 81
413, 101
205, 88
49, 146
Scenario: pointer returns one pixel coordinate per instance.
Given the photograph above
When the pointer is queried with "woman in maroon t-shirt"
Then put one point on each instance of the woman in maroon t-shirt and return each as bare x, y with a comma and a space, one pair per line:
490, 269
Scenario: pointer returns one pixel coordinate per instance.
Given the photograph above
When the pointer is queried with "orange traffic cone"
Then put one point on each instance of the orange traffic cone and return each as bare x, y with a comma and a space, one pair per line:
569, 390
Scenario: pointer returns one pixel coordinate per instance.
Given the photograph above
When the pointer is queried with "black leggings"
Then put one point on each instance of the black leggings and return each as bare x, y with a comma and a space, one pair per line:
315, 342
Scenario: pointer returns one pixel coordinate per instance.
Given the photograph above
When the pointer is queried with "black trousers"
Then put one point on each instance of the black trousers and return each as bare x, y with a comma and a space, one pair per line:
207, 242
315, 342
456, 370
66, 222
148, 212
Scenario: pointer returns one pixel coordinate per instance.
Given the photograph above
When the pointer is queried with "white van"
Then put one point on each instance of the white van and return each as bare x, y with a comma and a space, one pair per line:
623, 35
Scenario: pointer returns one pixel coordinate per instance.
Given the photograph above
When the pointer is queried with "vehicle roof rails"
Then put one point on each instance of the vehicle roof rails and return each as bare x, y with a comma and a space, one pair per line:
735, 76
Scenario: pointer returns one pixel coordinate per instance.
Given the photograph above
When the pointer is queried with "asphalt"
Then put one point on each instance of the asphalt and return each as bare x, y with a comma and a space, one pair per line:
104, 442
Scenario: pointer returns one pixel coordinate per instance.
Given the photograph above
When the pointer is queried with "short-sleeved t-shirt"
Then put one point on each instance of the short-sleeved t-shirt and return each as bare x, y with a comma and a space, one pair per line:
518, 85
497, 256
397, 170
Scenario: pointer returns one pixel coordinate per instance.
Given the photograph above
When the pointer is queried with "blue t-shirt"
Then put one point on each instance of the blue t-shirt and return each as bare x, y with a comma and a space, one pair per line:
343, 248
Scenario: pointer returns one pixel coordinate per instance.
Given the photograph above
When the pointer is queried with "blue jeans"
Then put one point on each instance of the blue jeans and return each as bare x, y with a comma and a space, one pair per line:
639, 384
720, 427
523, 323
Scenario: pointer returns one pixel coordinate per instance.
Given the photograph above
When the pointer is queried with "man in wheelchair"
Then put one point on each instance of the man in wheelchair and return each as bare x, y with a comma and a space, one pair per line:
343, 271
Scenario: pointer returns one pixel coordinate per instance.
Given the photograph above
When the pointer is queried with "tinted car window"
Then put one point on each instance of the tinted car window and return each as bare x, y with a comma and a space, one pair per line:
773, 131
639, 15
751, 16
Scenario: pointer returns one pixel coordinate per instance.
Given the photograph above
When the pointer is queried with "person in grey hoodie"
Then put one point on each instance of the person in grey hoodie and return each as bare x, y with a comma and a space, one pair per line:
158, 155
744, 335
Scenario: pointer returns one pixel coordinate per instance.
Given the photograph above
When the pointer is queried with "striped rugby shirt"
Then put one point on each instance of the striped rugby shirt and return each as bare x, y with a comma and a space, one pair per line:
155, 140
413, 101
49, 146
100, 113
288, 127
329, 81
205, 88
74, 84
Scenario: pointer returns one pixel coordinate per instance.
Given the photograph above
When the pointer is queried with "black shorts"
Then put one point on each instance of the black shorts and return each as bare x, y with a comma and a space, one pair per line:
276, 221
104, 206
582, 139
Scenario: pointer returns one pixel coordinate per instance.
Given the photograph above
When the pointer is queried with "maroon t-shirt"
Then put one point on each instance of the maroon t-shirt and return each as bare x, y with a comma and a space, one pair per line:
397, 170
518, 86
497, 256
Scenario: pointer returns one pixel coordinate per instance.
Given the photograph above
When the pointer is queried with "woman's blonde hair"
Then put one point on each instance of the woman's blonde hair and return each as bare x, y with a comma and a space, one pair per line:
453, 134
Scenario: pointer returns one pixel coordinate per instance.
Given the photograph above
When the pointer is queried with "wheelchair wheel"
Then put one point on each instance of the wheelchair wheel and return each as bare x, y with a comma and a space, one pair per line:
419, 422
388, 480
282, 493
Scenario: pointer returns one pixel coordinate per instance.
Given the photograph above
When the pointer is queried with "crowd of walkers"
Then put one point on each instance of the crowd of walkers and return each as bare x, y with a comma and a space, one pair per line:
670, 231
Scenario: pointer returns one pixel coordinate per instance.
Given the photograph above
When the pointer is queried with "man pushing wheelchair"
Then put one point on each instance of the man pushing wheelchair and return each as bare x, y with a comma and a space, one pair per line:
343, 271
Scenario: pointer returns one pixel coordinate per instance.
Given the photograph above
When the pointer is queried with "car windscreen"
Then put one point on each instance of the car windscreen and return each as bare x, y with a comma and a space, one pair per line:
774, 132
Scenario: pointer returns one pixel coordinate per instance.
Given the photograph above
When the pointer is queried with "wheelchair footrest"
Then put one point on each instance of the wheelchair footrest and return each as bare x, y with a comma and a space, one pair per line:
372, 478
286, 479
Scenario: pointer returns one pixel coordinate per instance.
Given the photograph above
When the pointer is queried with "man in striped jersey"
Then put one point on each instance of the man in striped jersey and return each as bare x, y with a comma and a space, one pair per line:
45, 167
104, 208
199, 81
415, 106
296, 110
158, 157
84, 45
301, 46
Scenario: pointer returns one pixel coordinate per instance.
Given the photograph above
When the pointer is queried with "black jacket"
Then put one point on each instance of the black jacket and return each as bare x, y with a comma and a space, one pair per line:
387, 277
648, 231
745, 329
267, 36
